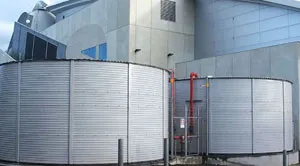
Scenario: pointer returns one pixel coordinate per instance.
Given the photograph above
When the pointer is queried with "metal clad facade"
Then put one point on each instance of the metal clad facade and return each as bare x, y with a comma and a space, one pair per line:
288, 116
99, 112
230, 116
44, 112
146, 110
8, 111
229, 26
267, 116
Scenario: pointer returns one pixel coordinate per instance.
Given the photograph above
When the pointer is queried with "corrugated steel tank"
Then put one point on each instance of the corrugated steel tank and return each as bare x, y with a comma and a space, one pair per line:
244, 115
74, 112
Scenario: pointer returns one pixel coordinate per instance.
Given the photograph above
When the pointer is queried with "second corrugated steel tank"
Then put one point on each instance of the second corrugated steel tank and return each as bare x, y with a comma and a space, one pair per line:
74, 112
245, 115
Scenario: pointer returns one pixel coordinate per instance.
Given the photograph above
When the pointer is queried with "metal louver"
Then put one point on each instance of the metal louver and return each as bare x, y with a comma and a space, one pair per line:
168, 10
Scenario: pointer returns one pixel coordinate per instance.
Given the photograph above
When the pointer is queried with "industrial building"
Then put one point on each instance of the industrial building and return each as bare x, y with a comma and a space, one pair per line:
81, 74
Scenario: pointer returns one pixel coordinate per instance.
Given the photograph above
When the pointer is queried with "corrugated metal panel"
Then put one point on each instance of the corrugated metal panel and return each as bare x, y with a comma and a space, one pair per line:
230, 116
99, 112
44, 112
288, 116
8, 111
267, 116
166, 104
145, 119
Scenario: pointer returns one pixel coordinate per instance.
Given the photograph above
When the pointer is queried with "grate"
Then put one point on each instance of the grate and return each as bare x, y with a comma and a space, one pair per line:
168, 10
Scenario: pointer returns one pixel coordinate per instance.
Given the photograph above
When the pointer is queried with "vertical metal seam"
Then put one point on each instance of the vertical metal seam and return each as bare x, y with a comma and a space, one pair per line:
207, 116
185, 128
163, 104
33, 43
18, 112
252, 117
46, 55
71, 86
128, 112
283, 105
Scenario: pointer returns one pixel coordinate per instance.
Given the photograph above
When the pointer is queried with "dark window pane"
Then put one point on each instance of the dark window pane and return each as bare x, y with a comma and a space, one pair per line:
168, 10
91, 52
39, 51
51, 51
29, 46
103, 51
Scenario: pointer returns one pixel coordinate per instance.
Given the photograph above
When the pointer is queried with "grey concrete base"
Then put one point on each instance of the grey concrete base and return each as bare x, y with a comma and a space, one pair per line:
263, 160
194, 160
268, 160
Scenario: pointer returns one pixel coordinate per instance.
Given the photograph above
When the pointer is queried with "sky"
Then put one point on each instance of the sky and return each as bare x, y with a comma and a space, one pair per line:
10, 12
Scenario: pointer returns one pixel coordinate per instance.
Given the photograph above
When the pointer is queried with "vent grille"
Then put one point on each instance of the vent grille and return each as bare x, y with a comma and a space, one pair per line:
168, 10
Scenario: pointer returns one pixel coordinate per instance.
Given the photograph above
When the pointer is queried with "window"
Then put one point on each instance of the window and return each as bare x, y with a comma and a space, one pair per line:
91, 52
39, 51
103, 51
29, 46
168, 10
51, 51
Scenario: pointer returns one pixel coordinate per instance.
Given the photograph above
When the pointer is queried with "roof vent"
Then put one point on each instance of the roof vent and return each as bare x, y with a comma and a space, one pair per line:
41, 5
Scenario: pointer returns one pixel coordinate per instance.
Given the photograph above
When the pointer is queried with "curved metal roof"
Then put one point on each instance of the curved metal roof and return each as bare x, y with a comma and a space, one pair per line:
279, 3
63, 6
69, 4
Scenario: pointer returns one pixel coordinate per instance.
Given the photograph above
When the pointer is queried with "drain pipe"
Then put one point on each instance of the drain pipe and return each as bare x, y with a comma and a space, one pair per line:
192, 77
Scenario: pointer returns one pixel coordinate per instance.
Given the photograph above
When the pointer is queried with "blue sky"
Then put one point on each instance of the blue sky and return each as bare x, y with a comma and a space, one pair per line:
10, 12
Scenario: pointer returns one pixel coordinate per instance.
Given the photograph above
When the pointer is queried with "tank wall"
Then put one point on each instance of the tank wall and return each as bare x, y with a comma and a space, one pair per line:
228, 26
267, 116
99, 111
8, 108
245, 116
288, 116
44, 112
230, 116
146, 98
74, 112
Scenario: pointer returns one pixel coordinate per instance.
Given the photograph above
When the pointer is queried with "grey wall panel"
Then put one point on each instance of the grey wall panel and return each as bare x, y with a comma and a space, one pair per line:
181, 70
44, 112
8, 112
238, 26
224, 66
145, 112
288, 116
192, 66
99, 115
267, 116
230, 116
260, 63
241, 64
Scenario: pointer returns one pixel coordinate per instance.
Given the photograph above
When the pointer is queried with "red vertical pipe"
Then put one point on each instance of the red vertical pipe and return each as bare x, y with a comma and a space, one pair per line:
192, 77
